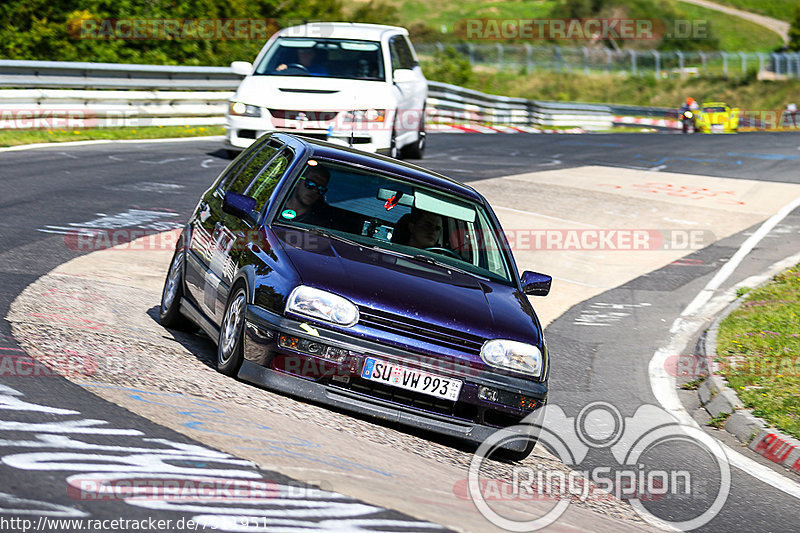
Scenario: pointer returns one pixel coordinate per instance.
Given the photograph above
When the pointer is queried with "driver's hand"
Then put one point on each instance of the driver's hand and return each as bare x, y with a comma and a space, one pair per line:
280, 67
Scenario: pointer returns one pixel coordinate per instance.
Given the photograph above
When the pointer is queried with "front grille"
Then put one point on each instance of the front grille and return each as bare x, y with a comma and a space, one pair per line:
452, 339
310, 116
411, 399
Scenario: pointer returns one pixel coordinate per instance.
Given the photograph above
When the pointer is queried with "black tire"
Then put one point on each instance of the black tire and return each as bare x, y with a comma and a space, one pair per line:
394, 152
170, 313
230, 345
416, 150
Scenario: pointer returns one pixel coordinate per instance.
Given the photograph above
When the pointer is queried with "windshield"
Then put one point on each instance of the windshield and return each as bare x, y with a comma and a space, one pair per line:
396, 216
714, 109
331, 58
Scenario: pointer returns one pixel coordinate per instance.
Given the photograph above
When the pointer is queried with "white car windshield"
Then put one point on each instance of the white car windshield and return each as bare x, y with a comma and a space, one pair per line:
332, 58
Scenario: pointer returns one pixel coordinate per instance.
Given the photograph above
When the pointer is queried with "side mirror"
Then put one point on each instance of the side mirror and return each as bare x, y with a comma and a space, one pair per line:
403, 75
536, 284
242, 68
239, 205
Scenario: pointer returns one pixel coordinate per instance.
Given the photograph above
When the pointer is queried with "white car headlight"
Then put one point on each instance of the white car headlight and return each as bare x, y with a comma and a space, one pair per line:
366, 115
513, 355
323, 305
245, 110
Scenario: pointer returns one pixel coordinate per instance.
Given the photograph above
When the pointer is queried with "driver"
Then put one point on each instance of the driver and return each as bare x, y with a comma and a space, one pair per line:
307, 58
424, 228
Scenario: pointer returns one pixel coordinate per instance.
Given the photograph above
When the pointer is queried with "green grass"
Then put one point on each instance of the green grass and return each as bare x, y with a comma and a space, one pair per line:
19, 137
734, 33
442, 17
448, 13
759, 351
779, 9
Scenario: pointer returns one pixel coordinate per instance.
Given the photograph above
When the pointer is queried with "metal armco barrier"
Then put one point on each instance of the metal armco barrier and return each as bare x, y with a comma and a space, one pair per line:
49, 94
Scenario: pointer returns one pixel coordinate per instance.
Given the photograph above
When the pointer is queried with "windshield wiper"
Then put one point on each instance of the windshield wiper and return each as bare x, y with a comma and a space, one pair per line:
432, 261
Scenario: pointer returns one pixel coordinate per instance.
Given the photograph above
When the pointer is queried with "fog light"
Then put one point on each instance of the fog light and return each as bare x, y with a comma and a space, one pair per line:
487, 393
284, 341
529, 404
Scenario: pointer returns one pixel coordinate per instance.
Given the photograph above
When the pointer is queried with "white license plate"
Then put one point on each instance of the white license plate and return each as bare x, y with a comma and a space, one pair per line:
410, 379
717, 127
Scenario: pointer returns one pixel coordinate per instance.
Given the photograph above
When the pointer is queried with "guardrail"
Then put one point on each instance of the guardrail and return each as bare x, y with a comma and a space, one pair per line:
36, 94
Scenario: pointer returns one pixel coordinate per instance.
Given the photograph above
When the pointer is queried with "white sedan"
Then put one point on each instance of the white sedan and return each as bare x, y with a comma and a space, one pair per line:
352, 84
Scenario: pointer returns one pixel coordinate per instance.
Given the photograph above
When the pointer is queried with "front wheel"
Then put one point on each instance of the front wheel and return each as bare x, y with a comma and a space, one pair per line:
394, 153
416, 149
230, 347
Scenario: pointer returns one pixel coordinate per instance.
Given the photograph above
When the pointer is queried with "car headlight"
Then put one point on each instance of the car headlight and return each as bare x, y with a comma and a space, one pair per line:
323, 305
245, 110
366, 115
513, 355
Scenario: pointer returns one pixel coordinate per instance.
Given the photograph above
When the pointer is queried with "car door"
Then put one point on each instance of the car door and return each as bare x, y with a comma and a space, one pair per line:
212, 230
412, 89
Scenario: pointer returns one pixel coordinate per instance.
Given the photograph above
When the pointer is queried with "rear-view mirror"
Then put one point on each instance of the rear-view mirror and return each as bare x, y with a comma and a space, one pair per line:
239, 205
536, 284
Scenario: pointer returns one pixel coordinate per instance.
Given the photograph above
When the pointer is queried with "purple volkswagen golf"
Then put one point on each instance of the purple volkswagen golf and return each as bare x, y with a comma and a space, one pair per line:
365, 283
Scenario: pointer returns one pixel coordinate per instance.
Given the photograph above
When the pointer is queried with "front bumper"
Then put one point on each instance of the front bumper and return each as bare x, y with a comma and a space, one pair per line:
338, 383
241, 132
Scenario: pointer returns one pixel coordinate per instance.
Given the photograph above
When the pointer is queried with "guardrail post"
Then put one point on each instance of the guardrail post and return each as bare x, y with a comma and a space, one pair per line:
703, 62
499, 56
529, 56
608, 60
471, 52
633, 62
558, 58
657, 57
439, 47
680, 63
585, 51
744, 63
776, 65
724, 64
761, 61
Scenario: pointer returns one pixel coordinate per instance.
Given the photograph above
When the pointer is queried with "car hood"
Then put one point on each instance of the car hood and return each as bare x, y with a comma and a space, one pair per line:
304, 93
444, 298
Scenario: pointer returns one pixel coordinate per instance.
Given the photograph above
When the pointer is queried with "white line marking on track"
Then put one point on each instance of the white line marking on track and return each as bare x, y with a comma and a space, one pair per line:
520, 211
694, 317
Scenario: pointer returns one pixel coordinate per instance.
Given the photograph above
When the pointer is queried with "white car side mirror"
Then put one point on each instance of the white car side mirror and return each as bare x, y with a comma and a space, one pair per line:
403, 75
243, 68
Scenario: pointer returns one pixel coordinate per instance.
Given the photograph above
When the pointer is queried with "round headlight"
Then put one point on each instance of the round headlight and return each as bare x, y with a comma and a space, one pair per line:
323, 305
513, 355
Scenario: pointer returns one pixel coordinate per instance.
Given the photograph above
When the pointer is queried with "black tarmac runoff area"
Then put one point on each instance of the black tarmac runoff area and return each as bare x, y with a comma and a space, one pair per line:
45, 192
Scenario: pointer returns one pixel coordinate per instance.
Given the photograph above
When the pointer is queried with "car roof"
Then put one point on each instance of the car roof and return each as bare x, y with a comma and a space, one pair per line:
342, 30
344, 154
709, 104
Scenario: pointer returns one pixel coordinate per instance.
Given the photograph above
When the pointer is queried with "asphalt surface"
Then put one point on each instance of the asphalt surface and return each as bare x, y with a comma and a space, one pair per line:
47, 192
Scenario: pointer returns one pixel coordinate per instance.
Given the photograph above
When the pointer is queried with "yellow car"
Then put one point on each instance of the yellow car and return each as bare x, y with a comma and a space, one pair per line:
717, 117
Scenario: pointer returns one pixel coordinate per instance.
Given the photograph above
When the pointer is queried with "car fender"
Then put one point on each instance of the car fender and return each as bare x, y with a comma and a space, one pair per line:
247, 274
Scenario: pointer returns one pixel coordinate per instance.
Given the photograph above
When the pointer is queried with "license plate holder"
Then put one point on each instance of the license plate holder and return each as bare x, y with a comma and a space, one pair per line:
410, 379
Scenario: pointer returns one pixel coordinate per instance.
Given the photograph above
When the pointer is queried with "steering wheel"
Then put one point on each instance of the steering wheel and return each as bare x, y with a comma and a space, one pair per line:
296, 66
443, 250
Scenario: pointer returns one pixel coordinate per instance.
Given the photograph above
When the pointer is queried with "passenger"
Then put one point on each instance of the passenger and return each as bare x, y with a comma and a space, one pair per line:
419, 228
